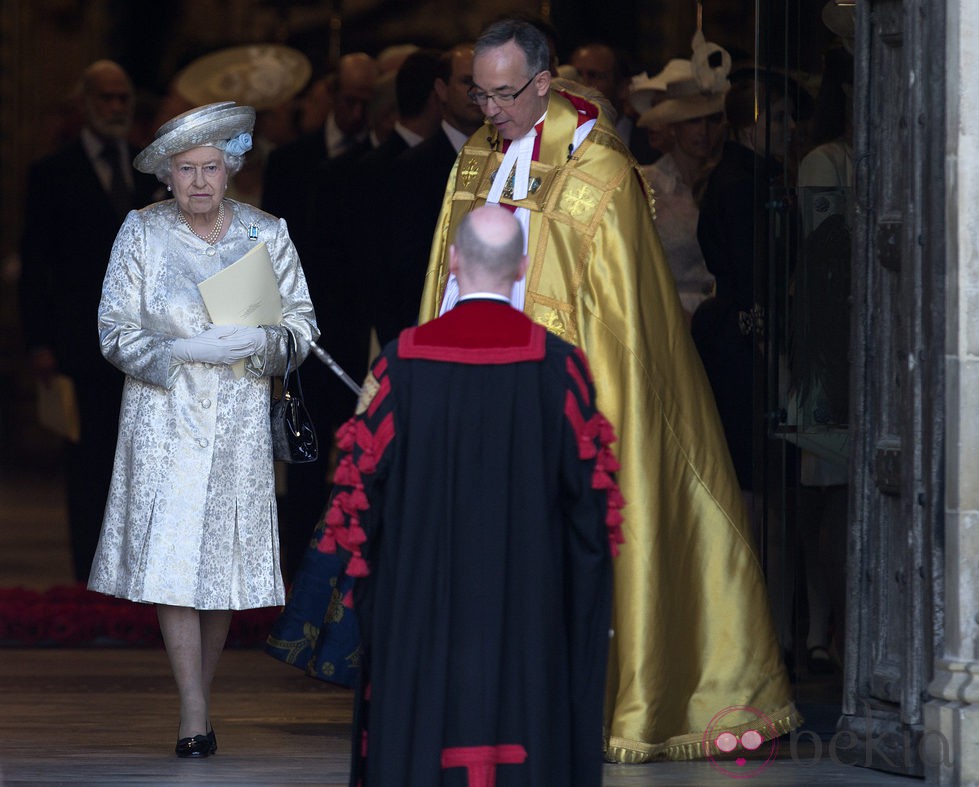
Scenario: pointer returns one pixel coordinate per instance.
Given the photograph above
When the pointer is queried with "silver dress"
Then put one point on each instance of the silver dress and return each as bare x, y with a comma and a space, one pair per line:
191, 517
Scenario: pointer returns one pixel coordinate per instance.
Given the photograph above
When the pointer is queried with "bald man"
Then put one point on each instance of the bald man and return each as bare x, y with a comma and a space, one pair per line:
475, 505
76, 200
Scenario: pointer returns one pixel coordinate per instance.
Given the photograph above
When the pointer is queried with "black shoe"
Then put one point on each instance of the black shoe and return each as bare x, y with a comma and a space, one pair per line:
198, 746
818, 661
212, 739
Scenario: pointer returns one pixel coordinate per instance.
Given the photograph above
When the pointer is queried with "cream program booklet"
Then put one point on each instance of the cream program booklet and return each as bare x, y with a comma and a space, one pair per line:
244, 293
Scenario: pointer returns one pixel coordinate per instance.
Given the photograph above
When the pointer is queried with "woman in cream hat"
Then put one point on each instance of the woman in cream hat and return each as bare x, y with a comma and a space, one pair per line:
190, 523
693, 120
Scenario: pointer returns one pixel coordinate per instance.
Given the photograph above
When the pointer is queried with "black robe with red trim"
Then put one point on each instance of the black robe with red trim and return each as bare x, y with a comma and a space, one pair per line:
475, 501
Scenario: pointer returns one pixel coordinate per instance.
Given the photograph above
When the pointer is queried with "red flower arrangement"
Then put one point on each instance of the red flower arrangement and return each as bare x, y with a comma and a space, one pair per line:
73, 616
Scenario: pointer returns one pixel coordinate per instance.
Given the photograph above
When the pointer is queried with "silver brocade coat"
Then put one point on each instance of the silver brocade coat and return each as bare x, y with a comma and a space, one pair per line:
191, 518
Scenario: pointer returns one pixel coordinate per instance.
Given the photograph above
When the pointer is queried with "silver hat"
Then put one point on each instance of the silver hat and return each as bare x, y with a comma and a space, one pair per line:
214, 124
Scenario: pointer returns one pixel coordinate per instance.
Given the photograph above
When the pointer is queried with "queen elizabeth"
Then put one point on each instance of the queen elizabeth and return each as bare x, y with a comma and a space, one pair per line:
190, 524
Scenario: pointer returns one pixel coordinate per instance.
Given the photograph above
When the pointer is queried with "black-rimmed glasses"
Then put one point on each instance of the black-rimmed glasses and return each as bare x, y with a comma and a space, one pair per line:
500, 99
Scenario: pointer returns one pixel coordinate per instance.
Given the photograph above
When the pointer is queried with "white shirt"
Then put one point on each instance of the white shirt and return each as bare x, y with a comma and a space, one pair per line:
410, 137
456, 138
491, 296
337, 142
93, 147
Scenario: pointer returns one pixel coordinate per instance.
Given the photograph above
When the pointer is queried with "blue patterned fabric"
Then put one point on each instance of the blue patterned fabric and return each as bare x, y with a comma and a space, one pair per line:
329, 651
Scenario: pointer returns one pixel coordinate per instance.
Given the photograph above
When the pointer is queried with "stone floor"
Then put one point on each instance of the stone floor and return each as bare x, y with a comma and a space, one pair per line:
104, 716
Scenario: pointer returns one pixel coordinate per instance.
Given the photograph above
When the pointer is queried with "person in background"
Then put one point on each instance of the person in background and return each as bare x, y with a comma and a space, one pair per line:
819, 351
732, 230
340, 259
598, 278
64, 252
694, 120
288, 181
484, 569
760, 122
405, 228
190, 523
423, 170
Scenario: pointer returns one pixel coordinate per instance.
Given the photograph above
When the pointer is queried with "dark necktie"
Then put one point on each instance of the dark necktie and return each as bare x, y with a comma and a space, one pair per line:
119, 194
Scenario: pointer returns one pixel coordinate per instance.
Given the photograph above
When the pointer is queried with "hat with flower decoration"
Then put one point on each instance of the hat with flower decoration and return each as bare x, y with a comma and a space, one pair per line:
224, 125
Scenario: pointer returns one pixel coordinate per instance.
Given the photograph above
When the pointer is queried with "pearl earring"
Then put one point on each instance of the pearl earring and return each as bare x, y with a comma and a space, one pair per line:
169, 188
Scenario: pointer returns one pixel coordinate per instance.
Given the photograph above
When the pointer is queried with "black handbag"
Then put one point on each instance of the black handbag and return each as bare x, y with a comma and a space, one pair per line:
293, 433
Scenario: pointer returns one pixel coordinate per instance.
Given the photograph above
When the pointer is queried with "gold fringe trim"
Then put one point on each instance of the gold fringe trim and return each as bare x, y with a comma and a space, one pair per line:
691, 745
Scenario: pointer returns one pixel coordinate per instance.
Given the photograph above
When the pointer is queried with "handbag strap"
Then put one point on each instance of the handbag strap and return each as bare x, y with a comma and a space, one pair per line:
290, 371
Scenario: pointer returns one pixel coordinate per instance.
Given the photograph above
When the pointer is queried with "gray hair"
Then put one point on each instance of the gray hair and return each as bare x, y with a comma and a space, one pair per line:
494, 256
232, 164
531, 41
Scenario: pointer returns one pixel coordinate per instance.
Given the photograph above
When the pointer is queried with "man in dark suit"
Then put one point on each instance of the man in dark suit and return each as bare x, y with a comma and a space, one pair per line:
288, 181
76, 200
417, 181
338, 258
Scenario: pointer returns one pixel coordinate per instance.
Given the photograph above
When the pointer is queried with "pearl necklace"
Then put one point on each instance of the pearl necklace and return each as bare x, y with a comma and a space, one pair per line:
211, 238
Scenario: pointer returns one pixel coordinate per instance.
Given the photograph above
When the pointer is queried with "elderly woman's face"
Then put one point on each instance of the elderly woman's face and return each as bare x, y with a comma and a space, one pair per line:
199, 179
698, 137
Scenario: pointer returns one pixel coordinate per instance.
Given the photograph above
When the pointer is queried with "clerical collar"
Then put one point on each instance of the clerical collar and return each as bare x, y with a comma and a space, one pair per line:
516, 160
485, 296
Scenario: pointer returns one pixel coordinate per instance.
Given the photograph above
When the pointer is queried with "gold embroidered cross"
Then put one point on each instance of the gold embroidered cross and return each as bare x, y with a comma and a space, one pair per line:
578, 202
470, 172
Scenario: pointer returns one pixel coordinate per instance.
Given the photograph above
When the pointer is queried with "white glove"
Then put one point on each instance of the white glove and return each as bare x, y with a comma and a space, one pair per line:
220, 344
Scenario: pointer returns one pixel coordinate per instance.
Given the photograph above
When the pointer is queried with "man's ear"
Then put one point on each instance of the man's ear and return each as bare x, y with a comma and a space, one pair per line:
543, 83
453, 260
441, 89
522, 267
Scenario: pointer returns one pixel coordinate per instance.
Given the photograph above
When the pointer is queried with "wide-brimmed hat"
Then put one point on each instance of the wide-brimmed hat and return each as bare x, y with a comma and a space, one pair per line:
692, 88
258, 75
680, 108
645, 90
214, 124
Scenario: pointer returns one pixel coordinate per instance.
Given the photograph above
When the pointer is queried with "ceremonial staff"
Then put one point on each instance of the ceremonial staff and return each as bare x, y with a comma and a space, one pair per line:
326, 358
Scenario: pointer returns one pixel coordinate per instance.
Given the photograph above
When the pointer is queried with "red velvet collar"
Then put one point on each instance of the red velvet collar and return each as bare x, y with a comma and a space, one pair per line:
476, 332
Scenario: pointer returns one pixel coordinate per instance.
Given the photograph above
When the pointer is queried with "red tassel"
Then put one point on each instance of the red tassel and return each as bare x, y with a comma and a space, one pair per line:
607, 459
348, 599
346, 435
357, 535
327, 543
606, 431
601, 480
357, 567
346, 473
335, 516
367, 463
615, 499
358, 500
